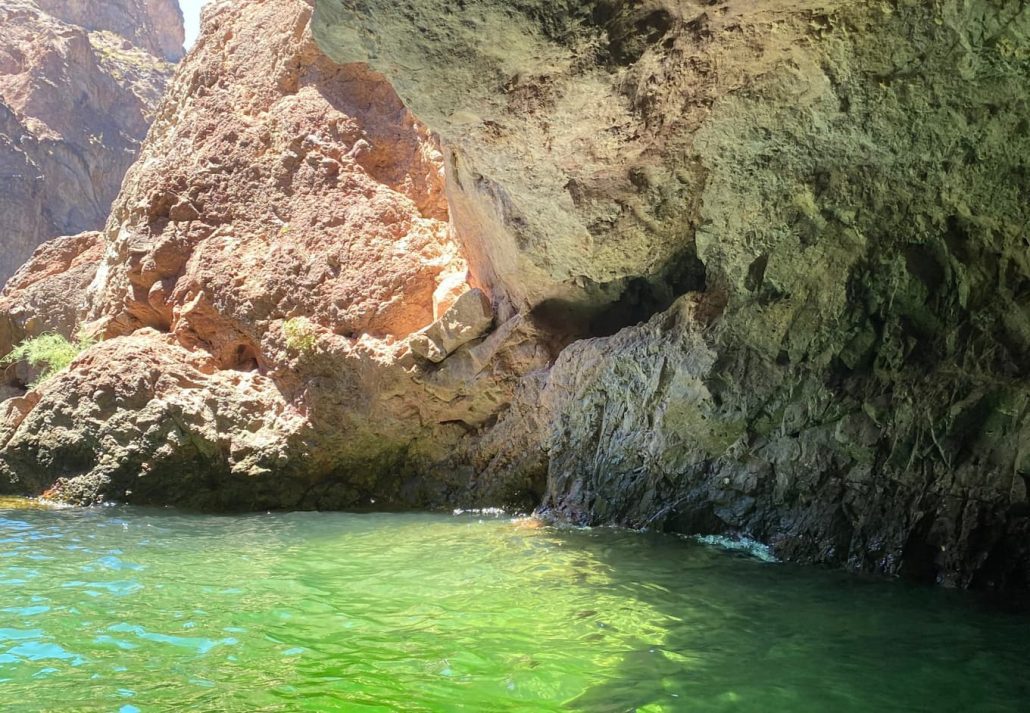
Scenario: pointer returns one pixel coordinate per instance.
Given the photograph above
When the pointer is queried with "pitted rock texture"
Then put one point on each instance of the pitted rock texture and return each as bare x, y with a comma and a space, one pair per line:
75, 104
282, 235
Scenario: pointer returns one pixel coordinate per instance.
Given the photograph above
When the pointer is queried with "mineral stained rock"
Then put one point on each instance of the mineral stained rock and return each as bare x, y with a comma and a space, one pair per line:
753, 267
79, 81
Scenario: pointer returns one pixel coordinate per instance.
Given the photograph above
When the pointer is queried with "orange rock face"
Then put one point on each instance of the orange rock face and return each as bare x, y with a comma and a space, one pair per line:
282, 238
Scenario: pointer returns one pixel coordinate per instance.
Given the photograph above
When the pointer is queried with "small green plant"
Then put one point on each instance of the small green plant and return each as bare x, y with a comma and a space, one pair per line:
300, 334
50, 353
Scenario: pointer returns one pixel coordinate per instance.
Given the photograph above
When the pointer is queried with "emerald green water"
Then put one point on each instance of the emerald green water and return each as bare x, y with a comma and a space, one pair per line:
121, 609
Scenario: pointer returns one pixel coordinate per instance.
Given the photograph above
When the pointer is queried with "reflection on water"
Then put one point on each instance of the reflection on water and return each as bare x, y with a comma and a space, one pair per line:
121, 609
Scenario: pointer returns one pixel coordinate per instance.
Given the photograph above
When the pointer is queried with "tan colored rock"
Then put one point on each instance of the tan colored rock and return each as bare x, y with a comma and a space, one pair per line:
854, 371
450, 288
469, 318
76, 100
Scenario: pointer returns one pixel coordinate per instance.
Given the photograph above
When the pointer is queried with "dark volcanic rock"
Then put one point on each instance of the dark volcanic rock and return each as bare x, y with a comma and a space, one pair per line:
844, 186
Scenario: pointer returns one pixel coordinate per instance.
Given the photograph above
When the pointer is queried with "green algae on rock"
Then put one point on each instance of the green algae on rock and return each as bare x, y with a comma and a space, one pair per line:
854, 178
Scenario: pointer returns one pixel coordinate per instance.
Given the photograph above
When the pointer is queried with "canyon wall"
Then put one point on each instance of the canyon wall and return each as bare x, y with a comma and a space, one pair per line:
280, 285
747, 268
835, 196
79, 82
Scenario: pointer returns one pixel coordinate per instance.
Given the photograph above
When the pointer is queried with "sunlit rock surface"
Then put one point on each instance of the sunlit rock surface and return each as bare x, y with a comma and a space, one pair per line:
282, 236
79, 82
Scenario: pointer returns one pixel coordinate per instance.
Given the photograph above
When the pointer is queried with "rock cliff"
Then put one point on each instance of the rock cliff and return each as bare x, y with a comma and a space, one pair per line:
280, 245
819, 210
755, 268
79, 81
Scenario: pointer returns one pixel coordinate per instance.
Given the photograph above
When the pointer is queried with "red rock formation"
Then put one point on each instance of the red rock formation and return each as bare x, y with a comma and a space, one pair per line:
48, 294
282, 236
78, 85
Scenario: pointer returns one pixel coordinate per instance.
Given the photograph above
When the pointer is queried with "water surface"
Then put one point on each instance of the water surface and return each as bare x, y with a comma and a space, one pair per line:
123, 609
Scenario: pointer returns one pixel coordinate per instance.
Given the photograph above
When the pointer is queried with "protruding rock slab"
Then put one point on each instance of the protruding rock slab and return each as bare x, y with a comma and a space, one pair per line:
470, 317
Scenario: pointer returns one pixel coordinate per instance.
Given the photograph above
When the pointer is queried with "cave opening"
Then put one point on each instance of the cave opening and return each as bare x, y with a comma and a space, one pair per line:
630, 301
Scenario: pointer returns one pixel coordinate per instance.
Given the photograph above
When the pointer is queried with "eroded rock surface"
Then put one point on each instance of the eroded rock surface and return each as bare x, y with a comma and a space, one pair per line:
283, 234
79, 82
152, 25
49, 294
844, 187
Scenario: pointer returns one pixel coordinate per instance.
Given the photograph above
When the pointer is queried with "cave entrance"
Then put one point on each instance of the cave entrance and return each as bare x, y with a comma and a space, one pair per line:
625, 302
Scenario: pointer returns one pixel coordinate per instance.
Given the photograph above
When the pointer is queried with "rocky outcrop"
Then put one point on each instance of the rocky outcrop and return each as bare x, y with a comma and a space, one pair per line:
752, 268
281, 243
79, 82
835, 192
49, 294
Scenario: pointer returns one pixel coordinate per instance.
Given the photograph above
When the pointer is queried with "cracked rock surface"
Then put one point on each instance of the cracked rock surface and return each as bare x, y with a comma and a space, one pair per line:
833, 192
79, 83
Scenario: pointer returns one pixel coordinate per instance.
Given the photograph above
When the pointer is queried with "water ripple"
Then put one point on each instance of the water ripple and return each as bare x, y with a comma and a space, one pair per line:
120, 609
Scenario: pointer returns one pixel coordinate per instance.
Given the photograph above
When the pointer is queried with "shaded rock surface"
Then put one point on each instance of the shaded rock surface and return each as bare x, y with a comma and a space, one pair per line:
755, 268
79, 81
152, 25
843, 188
